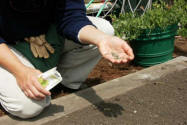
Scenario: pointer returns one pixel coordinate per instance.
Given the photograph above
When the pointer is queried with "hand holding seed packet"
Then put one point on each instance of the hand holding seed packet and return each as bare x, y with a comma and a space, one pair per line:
50, 79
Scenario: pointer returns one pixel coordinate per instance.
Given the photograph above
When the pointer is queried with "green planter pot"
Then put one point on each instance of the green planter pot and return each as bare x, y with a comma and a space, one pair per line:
155, 47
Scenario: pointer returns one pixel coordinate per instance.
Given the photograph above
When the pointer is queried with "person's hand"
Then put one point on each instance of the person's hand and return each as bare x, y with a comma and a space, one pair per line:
27, 80
39, 46
115, 50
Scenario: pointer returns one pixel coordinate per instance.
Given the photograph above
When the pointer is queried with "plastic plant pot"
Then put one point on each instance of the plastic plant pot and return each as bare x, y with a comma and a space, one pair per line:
154, 47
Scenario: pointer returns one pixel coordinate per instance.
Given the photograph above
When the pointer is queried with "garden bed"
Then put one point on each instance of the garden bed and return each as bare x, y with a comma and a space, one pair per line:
105, 71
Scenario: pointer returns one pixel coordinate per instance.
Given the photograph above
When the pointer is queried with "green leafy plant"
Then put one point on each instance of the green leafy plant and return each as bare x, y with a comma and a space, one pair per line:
130, 26
182, 15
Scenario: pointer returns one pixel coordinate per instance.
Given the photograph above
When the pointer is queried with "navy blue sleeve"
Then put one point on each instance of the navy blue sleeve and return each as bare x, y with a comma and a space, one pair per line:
71, 17
2, 40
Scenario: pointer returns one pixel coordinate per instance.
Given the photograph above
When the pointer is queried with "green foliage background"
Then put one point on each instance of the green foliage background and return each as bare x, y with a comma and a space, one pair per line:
161, 15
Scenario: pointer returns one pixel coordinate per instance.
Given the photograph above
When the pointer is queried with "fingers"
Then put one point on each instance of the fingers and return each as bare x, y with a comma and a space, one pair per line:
33, 96
120, 57
26, 93
116, 57
128, 50
40, 88
35, 91
116, 50
32, 93
36, 94
30, 85
109, 57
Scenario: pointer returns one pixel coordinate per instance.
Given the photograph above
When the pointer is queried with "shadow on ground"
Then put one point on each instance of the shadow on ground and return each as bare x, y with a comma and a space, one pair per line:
49, 111
108, 109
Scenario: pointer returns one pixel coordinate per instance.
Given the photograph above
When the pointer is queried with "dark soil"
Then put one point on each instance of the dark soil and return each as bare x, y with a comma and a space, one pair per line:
105, 71
159, 102
180, 47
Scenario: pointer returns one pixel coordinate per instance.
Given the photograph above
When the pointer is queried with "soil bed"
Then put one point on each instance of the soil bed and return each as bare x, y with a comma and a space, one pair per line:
105, 71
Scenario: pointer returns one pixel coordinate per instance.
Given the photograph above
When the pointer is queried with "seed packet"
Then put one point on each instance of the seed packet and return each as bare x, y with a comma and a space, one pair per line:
50, 78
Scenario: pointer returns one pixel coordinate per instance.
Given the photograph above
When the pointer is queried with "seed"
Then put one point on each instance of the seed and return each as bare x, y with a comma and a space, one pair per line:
115, 55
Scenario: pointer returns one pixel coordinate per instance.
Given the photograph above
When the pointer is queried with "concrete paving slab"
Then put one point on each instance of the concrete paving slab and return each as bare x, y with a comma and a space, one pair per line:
160, 102
66, 105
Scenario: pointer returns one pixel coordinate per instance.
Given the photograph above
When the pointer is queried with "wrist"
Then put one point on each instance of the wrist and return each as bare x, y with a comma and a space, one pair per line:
91, 35
102, 39
19, 70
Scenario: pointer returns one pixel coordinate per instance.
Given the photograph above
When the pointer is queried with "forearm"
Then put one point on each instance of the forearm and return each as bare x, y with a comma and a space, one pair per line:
9, 61
26, 77
108, 45
90, 35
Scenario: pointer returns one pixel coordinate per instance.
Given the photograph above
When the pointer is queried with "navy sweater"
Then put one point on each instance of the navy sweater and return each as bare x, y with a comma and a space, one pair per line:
24, 18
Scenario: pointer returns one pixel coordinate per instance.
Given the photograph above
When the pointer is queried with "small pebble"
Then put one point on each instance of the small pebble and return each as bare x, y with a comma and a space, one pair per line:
135, 111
